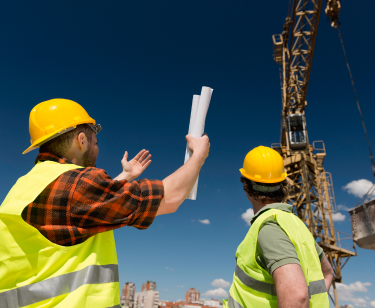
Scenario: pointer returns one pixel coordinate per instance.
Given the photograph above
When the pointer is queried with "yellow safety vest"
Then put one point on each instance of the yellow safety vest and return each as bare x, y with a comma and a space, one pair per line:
35, 272
254, 287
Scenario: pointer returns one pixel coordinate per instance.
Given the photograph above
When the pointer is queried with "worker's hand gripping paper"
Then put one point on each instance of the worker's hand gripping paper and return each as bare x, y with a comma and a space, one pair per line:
198, 114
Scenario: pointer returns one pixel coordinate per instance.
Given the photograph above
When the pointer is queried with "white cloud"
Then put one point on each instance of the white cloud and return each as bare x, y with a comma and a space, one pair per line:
169, 268
338, 217
345, 292
180, 286
220, 292
342, 207
358, 188
204, 221
220, 283
367, 298
248, 215
372, 304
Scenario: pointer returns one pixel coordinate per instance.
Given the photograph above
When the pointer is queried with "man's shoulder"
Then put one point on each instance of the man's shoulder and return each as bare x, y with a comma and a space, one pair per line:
87, 173
270, 225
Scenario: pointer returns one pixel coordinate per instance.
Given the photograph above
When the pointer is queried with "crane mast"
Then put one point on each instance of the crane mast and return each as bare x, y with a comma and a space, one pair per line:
311, 189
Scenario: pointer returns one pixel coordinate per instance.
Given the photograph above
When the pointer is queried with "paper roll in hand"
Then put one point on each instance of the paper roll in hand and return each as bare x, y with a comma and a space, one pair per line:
198, 115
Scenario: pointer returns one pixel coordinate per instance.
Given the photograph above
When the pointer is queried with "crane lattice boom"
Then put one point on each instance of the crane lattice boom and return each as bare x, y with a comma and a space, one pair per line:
311, 189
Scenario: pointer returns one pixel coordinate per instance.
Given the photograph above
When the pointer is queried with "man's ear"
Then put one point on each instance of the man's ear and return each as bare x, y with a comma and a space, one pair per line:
82, 141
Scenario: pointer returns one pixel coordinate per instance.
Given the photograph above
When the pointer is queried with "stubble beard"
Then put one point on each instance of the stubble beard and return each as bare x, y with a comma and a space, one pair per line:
89, 158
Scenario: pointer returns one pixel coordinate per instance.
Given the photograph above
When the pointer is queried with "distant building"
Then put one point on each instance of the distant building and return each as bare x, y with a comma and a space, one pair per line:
212, 303
127, 295
146, 299
191, 296
191, 305
149, 286
200, 302
167, 304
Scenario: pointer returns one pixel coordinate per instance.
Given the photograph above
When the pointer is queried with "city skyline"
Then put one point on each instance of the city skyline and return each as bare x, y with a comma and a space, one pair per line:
192, 295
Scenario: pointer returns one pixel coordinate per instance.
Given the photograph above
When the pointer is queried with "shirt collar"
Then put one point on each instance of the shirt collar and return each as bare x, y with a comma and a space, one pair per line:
52, 157
279, 206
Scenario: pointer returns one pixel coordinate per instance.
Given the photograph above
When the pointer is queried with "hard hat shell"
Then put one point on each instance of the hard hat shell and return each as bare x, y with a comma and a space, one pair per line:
49, 119
263, 165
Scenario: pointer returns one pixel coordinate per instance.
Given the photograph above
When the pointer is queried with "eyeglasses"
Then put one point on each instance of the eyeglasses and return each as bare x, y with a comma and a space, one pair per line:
96, 128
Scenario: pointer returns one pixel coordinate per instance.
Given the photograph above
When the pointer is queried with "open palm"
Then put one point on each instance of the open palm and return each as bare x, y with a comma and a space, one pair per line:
137, 165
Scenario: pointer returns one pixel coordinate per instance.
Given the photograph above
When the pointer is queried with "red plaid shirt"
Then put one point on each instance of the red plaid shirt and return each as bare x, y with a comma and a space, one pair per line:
86, 201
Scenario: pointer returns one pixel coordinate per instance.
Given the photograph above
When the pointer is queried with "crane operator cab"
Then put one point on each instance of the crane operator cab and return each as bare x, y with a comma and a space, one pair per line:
297, 131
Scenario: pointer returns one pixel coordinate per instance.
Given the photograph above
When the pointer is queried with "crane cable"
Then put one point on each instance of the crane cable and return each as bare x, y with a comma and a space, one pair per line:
366, 218
359, 108
289, 9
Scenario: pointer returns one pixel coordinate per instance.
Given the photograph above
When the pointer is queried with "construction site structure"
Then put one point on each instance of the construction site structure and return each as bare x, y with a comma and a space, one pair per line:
311, 188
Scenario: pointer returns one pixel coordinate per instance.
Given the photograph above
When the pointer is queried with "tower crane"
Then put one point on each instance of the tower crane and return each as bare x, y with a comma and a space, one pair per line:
311, 189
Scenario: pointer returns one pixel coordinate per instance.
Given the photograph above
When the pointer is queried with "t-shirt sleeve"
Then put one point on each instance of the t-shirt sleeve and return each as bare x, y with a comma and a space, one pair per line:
320, 251
275, 247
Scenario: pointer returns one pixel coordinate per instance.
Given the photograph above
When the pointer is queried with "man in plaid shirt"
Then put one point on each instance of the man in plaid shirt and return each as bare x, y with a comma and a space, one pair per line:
78, 207
96, 202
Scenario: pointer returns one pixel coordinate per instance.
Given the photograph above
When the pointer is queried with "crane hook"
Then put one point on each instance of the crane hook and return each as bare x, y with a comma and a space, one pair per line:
333, 11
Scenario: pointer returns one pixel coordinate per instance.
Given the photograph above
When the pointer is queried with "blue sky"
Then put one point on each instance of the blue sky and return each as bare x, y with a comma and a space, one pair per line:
135, 66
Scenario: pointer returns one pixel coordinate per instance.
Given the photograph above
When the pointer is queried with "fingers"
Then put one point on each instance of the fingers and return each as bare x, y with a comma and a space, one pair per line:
146, 160
147, 164
139, 154
143, 156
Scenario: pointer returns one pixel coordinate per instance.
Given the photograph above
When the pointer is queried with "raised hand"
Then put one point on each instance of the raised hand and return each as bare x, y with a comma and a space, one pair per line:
134, 168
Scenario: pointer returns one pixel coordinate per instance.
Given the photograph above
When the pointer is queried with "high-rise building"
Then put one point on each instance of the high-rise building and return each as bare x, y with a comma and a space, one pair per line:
146, 299
127, 295
149, 286
191, 296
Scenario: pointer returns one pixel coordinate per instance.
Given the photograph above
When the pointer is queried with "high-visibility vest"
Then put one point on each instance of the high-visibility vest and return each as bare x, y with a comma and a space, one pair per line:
254, 287
35, 272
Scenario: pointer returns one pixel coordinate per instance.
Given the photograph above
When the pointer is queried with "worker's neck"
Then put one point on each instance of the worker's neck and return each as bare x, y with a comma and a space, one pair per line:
258, 205
75, 157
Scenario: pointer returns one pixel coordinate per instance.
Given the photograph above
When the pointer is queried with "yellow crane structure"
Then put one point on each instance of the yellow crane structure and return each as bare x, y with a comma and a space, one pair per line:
311, 189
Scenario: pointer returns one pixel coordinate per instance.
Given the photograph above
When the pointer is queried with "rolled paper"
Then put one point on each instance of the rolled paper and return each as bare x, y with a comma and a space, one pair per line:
194, 108
197, 123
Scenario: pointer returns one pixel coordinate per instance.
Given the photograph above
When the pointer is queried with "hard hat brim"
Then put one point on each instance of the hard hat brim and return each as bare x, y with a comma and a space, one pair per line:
260, 180
37, 143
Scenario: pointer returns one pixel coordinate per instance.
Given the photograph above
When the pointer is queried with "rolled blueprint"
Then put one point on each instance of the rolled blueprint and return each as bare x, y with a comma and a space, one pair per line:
194, 108
198, 115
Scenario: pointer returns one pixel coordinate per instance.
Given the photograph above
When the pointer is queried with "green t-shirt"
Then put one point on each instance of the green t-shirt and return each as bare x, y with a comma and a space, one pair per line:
274, 247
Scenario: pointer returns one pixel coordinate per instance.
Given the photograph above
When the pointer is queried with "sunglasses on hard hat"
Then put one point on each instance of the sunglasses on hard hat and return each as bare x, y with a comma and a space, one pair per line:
96, 128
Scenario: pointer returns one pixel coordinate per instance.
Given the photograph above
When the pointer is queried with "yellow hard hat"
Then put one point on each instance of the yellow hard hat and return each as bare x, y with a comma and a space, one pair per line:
263, 165
54, 117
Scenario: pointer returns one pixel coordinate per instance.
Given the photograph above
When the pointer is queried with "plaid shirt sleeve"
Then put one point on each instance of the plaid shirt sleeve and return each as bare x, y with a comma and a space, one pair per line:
100, 202
86, 201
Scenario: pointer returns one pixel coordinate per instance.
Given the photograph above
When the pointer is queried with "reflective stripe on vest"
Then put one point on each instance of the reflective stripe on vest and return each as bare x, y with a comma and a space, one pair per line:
315, 287
255, 284
56, 286
232, 303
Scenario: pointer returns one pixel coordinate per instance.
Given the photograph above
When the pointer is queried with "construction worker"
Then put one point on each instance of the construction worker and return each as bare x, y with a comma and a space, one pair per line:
57, 247
278, 264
